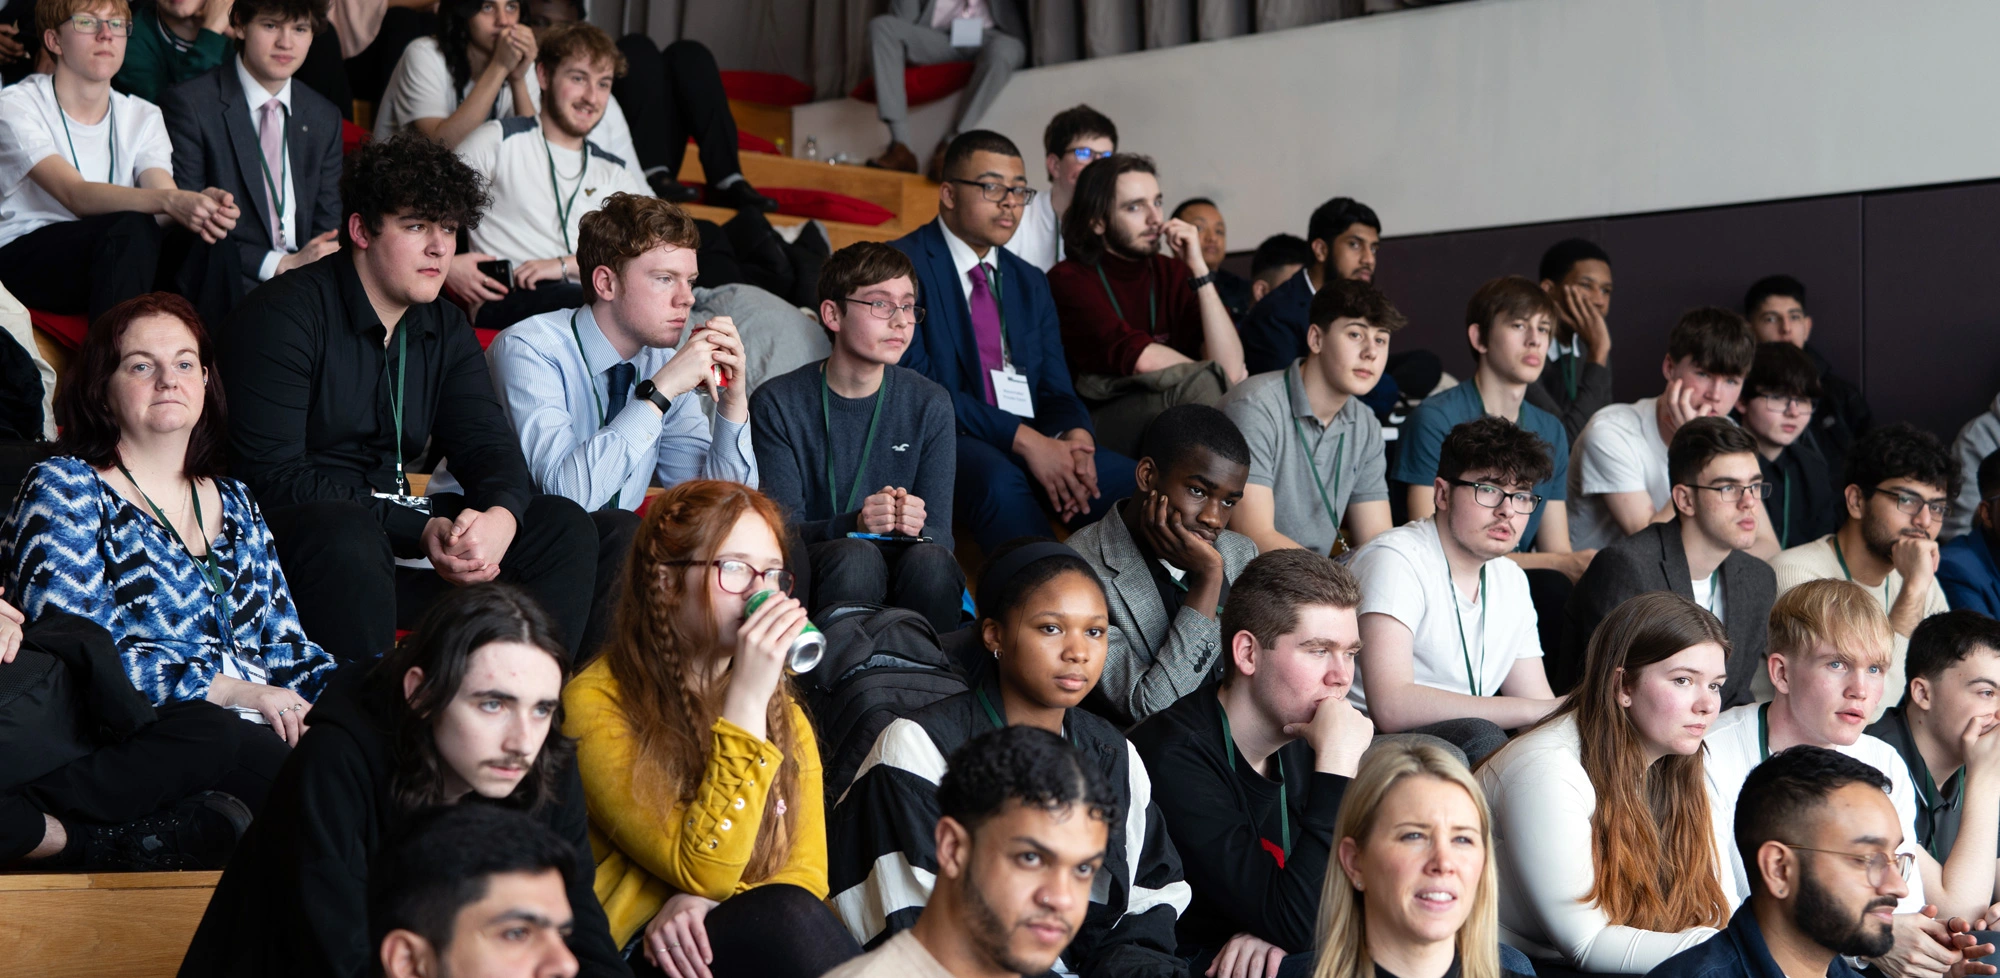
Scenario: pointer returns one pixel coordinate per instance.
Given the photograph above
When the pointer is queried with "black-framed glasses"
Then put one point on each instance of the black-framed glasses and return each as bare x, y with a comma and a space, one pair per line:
1909, 503
1877, 862
885, 310
1085, 154
738, 577
87, 25
1490, 496
997, 192
1732, 492
1787, 403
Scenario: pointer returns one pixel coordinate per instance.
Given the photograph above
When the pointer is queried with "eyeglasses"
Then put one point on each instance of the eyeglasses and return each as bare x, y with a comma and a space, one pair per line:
87, 25
996, 192
737, 577
1786, 403
1489, 496
1085, 154
1909, 503
1877, 862
1733, 492
886, 310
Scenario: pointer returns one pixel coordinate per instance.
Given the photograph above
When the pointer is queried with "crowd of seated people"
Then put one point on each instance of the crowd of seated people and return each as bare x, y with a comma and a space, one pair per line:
1715, 696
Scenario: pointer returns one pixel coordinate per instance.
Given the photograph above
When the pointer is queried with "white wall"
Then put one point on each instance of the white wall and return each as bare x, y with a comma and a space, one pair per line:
1501, 112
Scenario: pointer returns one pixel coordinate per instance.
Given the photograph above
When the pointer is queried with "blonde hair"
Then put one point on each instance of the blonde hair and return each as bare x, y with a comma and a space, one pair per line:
1343, 931
1840, 613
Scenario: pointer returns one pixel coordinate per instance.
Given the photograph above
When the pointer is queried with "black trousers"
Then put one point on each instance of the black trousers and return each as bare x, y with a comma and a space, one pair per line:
352, 597
671, 95
368, 72
192, 747
774, 931
923, 577
615, 530
519, 304
325, 72
84, 266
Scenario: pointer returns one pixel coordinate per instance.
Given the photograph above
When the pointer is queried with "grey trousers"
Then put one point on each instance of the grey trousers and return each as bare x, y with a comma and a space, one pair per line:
897, 43
1122, 407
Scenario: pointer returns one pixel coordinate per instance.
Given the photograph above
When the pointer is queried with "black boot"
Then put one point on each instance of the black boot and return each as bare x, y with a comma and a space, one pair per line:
197, 833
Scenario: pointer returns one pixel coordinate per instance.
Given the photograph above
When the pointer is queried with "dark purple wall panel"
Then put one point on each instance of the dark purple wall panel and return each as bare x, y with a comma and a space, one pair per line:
1932, 310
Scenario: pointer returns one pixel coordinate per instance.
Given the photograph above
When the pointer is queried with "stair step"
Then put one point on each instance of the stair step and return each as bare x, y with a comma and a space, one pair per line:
841, 233
912, 198
772, 122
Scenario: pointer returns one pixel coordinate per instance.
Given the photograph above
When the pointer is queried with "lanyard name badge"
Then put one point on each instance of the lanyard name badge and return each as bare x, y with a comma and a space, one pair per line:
1312, 460
210, 567
1284, 809
1472, 676
401, 496
1010, 389
867, 442
965, 31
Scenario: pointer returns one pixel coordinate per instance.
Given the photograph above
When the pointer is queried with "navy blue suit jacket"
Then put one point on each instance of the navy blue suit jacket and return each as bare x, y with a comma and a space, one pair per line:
1738, 952
1274, 332
944, 349
1968, 574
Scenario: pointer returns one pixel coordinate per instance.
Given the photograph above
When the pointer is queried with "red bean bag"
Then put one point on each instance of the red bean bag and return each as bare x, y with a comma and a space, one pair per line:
923, 83
827, 206
68, 330
351, 137
485, 336
765, 88
749, 142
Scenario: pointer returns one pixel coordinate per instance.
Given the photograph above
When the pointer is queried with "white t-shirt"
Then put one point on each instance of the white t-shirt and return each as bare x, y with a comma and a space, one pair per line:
1403, 574
1618, 451
1817, 559
1736, 744
32, 130
420, 88
1708, 594
1038, 238
521, 225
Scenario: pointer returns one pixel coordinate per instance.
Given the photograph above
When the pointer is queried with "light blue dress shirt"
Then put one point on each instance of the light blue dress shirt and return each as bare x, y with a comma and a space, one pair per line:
553, 384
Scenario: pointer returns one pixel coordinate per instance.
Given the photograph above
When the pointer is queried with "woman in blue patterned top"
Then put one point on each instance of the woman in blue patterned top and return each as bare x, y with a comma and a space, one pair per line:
131, 526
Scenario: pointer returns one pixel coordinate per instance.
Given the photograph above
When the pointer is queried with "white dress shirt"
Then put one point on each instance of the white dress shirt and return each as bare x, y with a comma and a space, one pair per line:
254, 96
1037, 239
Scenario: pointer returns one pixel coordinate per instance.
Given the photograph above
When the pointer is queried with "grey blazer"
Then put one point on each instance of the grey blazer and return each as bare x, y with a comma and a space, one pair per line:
1153, 659
1654, 559
1006, 15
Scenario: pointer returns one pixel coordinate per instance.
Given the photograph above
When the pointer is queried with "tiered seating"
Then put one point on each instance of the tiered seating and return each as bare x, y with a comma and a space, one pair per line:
910, 200
80, 925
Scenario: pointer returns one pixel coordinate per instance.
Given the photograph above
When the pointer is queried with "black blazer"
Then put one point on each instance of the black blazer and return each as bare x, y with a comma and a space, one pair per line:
215, 145
1653, 559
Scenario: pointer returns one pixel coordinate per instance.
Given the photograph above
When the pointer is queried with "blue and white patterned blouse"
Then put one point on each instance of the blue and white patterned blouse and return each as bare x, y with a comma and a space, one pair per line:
73, 544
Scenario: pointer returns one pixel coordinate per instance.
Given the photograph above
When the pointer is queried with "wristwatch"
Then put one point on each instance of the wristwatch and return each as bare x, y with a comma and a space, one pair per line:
1197, 282
651, 393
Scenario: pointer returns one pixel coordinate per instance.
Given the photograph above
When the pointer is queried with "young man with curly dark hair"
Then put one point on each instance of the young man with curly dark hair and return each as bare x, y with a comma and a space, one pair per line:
325, 362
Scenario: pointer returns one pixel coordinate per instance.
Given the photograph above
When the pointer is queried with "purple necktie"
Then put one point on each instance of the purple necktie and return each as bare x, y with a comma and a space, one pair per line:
271, 134
985, 328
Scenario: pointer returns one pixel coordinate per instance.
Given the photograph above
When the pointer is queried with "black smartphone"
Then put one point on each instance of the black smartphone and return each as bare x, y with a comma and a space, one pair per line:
500, 270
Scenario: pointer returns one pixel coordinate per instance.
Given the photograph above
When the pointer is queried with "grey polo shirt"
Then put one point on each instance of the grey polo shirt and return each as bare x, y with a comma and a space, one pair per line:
1288, 445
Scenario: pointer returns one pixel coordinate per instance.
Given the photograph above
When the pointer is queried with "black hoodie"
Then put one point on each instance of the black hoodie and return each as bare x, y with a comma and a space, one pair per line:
294, 900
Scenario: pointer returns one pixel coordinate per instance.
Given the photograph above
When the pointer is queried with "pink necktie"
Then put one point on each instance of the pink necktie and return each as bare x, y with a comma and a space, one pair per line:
271, 134
985, 327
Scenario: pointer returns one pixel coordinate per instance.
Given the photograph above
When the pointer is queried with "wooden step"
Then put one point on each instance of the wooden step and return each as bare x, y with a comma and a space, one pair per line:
72, 925
912, 198
772, 122
841, 233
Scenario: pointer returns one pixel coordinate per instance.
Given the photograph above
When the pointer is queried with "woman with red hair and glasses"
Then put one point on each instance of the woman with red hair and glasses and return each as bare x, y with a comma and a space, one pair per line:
131, 526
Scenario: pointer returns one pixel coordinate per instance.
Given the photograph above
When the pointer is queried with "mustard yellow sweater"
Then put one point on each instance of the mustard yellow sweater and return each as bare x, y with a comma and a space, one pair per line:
643, 854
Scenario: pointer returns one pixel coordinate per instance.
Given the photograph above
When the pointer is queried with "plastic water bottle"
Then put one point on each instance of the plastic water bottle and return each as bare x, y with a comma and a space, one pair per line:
812, 149
806, 650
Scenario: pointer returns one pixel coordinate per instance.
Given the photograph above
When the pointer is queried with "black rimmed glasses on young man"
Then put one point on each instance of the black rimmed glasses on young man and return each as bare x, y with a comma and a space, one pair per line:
1489, 496
1877, 862
1732, 492
738, 577
88, 25
1909, 503
996, 192
885, 310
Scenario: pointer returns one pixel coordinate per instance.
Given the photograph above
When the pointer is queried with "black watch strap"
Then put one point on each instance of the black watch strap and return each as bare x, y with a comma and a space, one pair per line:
651, 393
1198, 281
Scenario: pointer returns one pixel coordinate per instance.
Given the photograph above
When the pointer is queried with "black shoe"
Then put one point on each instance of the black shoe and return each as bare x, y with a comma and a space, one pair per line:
672, 191
741, 196
813, 238
197, 833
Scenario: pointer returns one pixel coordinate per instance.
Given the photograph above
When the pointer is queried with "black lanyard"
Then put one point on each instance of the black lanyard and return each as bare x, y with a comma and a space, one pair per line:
1569, 375
211, 569
867, 443
1152, 299
396, 403
1284, 809
277, 185
1312, 459
563, 211
110, 119
1472, 679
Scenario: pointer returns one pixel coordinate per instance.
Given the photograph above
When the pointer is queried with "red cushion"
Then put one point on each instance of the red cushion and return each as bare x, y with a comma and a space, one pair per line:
827, 206
351, 136
923, 83
749, 143
68, 330
765, 88
485, 336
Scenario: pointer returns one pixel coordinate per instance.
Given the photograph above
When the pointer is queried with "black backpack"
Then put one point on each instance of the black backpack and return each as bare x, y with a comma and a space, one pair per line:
880, 664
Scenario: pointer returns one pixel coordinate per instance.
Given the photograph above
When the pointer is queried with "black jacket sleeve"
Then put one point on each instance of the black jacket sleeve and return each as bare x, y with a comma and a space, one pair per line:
1140, 942
1613, 576
590, 935
1593, 391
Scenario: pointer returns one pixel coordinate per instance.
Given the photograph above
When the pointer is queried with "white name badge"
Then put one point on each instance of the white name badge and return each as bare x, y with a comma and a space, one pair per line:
1010, 392
965, 32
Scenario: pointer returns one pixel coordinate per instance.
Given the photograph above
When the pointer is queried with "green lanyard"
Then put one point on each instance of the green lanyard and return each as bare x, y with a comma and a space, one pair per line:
1712, 592
563, 211
993, 286
1785, 532
1000, 722
1152, 299
1485, 618
277, 187
1312, 459
396, 404
603, 412
1284, 808
1569, 375
867, 443
211, 569
110, 119
1841, 556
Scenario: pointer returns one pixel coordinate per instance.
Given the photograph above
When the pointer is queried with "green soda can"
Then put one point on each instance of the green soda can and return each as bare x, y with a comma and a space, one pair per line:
806, 650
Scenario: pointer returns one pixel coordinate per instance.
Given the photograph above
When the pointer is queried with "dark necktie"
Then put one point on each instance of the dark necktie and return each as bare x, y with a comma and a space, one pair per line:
985, 327
620, 376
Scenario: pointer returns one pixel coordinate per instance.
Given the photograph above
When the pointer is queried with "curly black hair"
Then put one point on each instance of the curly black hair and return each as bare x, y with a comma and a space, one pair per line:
1179, 430
410, 173
1903, 451
1025, 764
1511, 453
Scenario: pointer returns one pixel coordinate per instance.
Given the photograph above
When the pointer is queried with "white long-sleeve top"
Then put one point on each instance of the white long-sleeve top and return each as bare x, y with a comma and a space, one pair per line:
1542, 802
